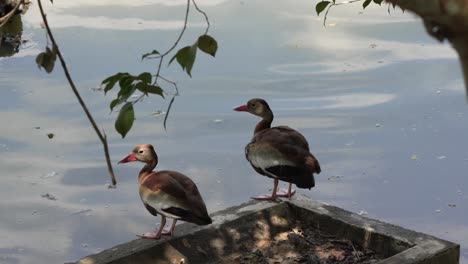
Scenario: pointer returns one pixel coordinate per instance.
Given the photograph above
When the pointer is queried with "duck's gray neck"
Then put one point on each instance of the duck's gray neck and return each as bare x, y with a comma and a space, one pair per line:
264, 124
149, 167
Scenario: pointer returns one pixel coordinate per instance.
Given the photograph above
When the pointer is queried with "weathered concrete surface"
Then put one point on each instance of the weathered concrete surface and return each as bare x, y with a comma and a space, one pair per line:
259, 221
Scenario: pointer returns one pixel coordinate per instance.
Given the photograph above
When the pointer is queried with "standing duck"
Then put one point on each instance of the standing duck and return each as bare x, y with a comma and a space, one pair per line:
279, 152
168, 193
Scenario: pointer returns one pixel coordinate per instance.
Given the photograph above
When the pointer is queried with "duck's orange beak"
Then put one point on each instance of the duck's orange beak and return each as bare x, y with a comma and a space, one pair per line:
131, 157
242, 108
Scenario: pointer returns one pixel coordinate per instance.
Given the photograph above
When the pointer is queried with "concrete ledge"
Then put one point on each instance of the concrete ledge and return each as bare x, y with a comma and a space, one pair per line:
259, 221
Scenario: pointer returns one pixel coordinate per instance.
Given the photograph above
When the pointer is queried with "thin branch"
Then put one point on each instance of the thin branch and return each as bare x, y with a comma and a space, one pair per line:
204, 14
167, 111
171, 82
102, 136
181, 32
326, 14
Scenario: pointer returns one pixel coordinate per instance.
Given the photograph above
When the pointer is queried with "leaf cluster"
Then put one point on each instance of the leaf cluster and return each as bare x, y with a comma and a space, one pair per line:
322, 5
128, 85
145, 83
186, 55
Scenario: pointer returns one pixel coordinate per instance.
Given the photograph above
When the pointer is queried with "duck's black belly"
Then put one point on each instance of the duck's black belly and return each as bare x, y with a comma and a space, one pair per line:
302, 178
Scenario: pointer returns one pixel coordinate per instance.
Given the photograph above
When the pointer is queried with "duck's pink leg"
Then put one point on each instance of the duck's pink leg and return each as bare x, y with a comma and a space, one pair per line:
288, 194
171, 230
157, 233
271, 197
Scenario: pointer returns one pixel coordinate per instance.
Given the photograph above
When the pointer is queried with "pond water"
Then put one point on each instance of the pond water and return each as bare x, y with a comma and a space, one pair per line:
381, 103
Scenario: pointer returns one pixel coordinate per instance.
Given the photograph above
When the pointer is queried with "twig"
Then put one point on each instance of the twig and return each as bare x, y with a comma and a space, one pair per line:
161, 58
167, 111
204, 14
171, 82
333, 4
102, 136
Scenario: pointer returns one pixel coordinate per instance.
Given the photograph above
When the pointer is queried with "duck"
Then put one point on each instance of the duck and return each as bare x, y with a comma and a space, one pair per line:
280, 152
168, 193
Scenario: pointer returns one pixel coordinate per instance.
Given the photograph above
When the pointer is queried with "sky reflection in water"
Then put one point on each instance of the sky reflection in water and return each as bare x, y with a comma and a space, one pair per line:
369, 93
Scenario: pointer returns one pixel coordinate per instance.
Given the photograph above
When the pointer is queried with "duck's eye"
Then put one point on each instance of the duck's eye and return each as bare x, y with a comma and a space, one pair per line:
140, 151
253, 104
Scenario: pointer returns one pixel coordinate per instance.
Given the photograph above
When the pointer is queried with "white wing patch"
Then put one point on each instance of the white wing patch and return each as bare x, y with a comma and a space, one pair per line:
264, 157
160, 201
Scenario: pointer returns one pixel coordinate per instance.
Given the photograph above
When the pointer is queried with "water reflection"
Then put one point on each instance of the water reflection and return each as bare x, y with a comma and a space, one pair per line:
330, 86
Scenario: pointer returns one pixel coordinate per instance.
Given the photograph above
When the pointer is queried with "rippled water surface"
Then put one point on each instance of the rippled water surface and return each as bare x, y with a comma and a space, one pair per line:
380, 102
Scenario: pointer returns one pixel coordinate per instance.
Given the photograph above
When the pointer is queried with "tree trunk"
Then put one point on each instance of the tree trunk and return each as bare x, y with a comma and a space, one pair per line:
444, 19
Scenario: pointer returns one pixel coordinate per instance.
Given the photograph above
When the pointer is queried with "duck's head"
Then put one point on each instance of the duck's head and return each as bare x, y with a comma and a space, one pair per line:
144, 153
255, 106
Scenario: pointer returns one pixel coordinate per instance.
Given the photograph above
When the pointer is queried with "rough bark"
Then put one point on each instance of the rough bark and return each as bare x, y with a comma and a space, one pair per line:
444, 19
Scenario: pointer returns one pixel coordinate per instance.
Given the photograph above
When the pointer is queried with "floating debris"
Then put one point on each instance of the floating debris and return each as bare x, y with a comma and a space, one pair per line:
372, 46
441, 157
49, 175
459, 192
414, 157
364, 213
335, 177
50, 135
218, 121
37, 127
81, 211
438, 211
377, 125
84, 245
438, 91
96, 89
452, 205
49, 196
158, 113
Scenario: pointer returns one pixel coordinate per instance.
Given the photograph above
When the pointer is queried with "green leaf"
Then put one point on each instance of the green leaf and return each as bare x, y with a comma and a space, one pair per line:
126, 92
47, 59
145, 77
207, 44
321, 6
186, 57
114, 103
124, 121
112, 80
125, 84
146, 55
366, 3
147, 88
39, 59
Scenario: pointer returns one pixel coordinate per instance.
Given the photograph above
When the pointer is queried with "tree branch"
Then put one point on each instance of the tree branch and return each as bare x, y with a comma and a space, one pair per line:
102, 136
204, 14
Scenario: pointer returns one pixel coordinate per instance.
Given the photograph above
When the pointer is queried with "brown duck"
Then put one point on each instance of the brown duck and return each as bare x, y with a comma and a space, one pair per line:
279, 152
168, 193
